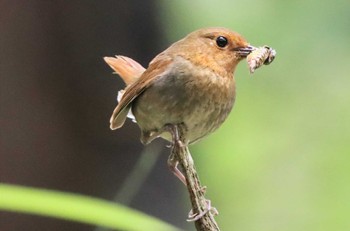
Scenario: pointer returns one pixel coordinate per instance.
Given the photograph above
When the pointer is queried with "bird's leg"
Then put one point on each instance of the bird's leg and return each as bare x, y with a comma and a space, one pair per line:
174, 131
172, 160
172, 164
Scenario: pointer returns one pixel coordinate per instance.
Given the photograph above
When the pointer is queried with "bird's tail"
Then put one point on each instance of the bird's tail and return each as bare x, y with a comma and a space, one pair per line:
128, 69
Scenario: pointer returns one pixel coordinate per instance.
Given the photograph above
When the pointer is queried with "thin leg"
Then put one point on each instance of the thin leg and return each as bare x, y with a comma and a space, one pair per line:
172, 164
172, 160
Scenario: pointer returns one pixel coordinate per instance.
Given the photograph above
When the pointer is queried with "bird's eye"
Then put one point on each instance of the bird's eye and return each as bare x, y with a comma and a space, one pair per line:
221, 41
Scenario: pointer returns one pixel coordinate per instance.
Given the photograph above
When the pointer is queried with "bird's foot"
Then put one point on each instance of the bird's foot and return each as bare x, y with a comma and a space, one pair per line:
196, 216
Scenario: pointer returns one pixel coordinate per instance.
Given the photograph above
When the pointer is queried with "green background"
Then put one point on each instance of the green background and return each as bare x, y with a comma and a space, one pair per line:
282, 160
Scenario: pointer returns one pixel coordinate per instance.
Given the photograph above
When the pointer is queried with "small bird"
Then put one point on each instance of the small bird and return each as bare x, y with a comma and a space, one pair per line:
189, 84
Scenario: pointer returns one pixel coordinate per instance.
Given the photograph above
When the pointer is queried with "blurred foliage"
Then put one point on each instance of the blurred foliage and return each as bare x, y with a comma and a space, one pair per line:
281, 161
76, 208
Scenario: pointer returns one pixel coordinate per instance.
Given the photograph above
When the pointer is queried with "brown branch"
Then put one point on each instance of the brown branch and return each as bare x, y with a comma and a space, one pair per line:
200, 205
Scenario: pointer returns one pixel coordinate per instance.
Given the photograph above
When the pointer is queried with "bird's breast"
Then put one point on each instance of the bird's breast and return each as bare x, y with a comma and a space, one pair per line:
211, 99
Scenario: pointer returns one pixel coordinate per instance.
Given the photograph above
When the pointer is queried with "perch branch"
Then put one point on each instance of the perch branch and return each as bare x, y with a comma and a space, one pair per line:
202, 213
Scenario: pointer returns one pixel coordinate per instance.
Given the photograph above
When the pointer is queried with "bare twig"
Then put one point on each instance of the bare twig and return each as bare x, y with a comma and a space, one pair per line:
201, 212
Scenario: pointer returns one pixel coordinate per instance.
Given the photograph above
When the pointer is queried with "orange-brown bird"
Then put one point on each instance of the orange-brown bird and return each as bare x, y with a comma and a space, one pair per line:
189, 84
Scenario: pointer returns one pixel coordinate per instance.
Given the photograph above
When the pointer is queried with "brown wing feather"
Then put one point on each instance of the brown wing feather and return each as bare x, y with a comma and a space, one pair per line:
156, 69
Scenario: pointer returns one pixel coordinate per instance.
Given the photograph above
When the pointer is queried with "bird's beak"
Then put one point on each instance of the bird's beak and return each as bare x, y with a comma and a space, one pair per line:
244, 51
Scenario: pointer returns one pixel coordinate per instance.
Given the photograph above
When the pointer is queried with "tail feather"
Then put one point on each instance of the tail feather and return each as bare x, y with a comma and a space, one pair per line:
128, 69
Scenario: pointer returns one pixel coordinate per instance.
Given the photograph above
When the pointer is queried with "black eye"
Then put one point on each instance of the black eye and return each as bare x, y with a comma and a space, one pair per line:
221, 41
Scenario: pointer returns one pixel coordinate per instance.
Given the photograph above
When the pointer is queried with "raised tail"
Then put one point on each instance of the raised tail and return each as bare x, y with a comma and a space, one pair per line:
128, 69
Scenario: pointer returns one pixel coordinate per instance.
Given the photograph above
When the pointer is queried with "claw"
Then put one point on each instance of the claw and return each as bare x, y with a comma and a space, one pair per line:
196, 216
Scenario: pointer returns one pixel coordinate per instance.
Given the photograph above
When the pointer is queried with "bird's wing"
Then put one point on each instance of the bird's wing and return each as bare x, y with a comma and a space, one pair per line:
157, 68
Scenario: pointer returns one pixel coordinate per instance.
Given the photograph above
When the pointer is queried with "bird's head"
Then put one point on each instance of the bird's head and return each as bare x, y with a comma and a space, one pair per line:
217, 48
